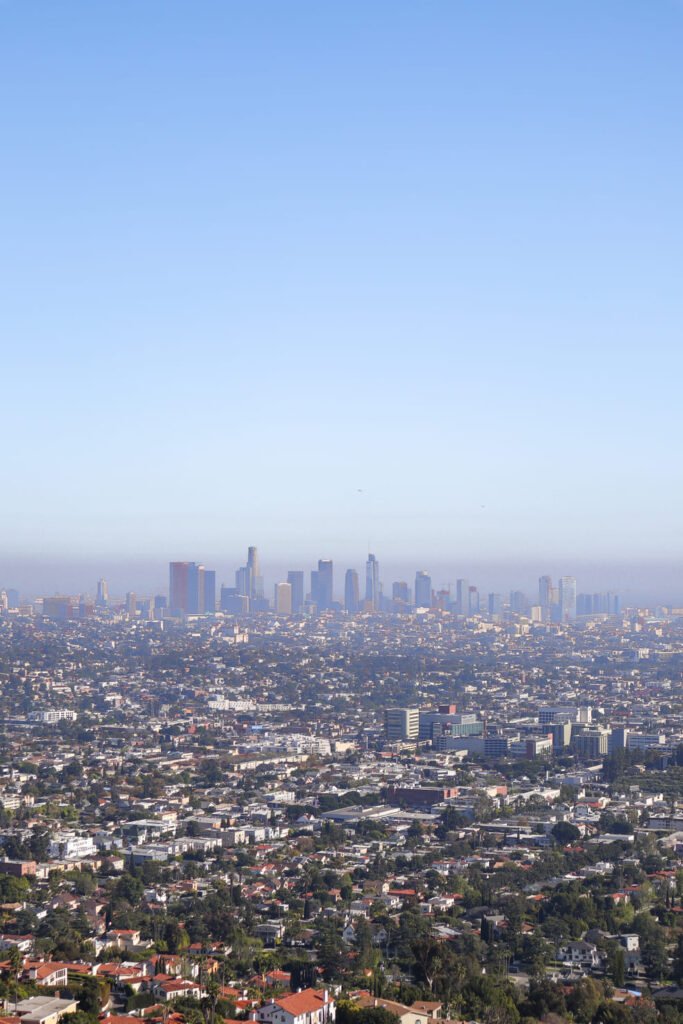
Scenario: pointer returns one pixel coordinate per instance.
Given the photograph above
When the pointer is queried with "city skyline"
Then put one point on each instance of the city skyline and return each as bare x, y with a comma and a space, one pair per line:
637, 585
195, 587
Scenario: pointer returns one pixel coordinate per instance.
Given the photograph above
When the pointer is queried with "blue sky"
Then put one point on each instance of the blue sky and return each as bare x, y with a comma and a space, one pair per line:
315, 275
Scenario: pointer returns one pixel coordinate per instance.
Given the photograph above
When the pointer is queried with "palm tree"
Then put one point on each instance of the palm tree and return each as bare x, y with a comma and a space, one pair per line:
212, 989
16, 962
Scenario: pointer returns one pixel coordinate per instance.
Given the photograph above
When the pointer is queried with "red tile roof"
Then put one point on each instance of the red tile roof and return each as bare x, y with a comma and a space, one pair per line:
307, 1001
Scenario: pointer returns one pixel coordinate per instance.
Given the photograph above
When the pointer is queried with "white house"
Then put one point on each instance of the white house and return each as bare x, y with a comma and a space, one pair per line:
310, 1006
581, 954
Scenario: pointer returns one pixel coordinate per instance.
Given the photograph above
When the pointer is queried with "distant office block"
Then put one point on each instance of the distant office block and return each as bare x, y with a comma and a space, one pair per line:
518, 603
283, 599
255, 577
591, 743
295, 578
567, 599
351, 592
597, 604
59, 607
322, 585
372, 587
402, 723
102, 599
463, 597
562, 735
192, 588
209, 592
178, 589
325, 583
545, 593
423, 589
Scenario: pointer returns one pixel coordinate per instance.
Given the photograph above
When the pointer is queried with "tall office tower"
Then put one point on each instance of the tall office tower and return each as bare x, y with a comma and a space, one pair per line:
283, 598
131, 603
13, 597
351, 592
618, 739
372, 590
197, 590
545, 592
252, 561
402, 723
462, 597
255, 573
567, 598
474, 601
325, 584
562, 735
400, 593
591, 743
315, 588
192, 588
179, 585
495, 604
243, 581
102, 599
423, 589
295, 578
209, 592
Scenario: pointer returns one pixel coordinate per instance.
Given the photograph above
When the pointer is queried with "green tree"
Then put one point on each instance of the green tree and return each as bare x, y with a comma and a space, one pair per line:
79, 1017
584, 999
616, 963
350, 1013
565, 833
92, 996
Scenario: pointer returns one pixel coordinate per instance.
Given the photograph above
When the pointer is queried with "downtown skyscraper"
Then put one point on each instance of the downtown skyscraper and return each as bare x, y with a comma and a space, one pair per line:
295, 578
567, 598
192, 589
423, 589
372, 585
351, 592
322, 585
248, 578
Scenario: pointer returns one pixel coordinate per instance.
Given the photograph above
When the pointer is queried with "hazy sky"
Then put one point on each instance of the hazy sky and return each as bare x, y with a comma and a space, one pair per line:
318, 275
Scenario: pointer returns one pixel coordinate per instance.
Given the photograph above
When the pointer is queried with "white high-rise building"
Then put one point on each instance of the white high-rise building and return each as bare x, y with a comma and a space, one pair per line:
402, 723
567, 598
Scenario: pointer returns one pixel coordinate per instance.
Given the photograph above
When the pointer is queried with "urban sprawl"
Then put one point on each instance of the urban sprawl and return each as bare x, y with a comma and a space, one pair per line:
394, 808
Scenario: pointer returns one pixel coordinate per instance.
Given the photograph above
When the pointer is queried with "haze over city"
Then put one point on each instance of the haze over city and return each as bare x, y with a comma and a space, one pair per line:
335, 277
